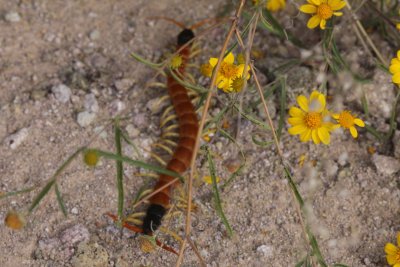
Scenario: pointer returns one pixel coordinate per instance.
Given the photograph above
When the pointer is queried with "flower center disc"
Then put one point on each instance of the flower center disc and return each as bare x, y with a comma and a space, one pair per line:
313, 120
228, 70
346, 119
324, 11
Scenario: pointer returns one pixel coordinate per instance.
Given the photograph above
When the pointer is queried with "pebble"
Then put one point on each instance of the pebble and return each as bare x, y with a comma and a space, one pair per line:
265, 250
85, 118
15, 139
343, 158
12, 17
61, 92
116, 107
94, 35
124, 84
132, 130
90, 254
74, 210
386, 165
90, 103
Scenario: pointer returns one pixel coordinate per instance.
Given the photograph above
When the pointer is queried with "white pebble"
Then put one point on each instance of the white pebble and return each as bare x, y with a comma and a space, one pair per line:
343, 158
132, 130
265, 250
123, 84
61, 92
74, 210
12, 17
116, 107
94, 35
386, 165
90, 103
85, 118
14, 140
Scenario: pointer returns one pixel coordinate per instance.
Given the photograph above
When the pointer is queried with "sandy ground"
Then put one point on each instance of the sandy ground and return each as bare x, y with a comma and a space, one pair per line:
352, 196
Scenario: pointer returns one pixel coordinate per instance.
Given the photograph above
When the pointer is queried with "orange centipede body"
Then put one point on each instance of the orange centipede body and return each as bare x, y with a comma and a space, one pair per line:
188, 128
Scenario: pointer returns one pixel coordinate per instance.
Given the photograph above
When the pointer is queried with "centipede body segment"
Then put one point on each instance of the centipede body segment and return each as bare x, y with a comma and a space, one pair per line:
188, 128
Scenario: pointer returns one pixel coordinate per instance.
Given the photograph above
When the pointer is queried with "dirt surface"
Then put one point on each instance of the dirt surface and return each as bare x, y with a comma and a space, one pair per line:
65, 70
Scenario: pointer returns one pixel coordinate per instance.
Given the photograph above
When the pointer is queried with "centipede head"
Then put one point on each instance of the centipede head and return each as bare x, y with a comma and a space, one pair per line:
185, 36
153, 218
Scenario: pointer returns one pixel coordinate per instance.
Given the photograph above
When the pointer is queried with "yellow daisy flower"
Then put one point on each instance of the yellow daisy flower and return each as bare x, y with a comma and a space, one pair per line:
393, 252
275, 5
208, 179
228, 72
311, 120
176, 61
394, 68
398, 26
347, 120
206, 69
322, 10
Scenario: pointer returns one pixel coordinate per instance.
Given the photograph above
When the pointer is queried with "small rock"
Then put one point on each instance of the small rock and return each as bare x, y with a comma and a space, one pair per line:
123, 84
343, 158
94, 35
75, 234
116, 107
74, 210
12, 17
92, 254
265, 250
85, 118
61, 92
132, 131
38, 94
386, 165
90, 103
14, 140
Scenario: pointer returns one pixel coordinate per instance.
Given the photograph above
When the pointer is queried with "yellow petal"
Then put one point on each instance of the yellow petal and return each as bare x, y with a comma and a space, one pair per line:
230, 58
336, 4
298, 129
398, 54
390, 249
308, 9
396, 264
303, 102
338, 14
213, 61
313, 22
322, 24
315, 137
323, 134
398, 238
241, 69
396, 78
296, 112
394, 68
335, 116
353, 131
296, 120
391, 259
315, 2
208, 179
305, 136
359, 122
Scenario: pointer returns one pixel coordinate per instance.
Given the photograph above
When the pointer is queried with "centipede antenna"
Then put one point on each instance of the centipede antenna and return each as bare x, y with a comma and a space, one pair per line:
179, 24
205, 21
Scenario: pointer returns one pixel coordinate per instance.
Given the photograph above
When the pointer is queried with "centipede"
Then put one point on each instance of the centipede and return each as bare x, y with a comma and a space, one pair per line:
187, 129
